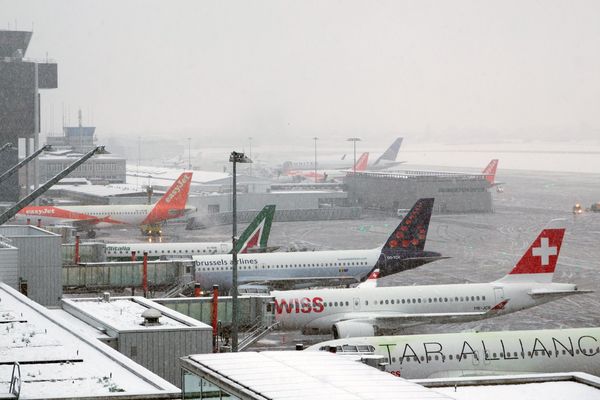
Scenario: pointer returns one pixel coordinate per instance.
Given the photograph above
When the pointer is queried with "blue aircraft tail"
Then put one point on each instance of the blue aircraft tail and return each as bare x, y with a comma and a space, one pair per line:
392, 152
411, 233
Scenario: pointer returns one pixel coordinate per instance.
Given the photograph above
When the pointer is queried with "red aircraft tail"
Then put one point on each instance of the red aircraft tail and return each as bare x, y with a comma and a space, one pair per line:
362, 162
490, 171
172, 204
539, 261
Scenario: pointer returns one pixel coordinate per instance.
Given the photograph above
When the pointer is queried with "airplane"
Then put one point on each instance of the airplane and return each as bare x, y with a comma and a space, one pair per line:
371, 311
453, 355
386, 160
254, 237
330, 174
403, 250
149, 217
490, 173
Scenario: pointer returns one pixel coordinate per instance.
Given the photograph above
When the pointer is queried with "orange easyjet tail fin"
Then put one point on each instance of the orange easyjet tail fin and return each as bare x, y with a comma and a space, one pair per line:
172, 204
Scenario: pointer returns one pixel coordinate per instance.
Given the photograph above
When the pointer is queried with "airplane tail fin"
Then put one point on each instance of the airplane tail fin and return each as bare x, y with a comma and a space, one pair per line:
362, 162
411, 233
172, 204
257, 233
490, 171
539, 261
392, 152
371, 281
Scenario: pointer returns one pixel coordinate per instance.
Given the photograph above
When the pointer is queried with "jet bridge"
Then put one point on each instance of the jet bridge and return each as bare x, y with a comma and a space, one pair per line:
24, 162
12, 211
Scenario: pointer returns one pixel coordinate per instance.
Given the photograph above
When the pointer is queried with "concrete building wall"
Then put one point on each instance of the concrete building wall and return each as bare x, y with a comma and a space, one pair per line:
20, 82
159, 351
95, 169
40, 262
9, 265
452, 195
256, 201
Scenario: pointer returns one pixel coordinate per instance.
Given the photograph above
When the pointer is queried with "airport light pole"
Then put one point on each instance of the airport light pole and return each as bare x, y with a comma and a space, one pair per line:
315, 139
250, 152
354, 139
235, 158
189, 153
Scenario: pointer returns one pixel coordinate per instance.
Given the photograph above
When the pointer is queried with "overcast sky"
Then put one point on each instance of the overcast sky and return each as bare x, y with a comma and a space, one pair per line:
288, 69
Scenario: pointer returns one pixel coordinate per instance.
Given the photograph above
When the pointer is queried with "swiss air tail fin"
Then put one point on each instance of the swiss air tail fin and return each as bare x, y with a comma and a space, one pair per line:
392, 152
490, 171
172, 204
412, 231
539, 261
257, 233
362, 162
371, 281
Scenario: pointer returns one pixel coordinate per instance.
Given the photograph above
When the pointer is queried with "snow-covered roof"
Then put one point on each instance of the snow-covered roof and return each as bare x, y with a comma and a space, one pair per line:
162, 176
57, 361
547, 386
120, 314
111, 190
303, 375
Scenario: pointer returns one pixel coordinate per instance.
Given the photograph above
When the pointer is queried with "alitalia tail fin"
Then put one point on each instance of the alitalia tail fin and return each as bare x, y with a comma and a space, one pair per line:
539, 261
257, 233
172, 204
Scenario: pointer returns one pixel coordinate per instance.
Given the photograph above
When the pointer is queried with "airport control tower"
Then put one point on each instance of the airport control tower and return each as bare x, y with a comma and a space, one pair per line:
20, 81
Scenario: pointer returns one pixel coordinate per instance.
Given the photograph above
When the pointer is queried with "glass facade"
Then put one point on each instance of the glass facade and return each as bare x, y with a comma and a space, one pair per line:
195, 387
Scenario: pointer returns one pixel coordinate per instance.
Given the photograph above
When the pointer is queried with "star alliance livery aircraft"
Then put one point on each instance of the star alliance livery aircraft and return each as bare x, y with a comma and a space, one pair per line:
451, 355
368, 311
403, 250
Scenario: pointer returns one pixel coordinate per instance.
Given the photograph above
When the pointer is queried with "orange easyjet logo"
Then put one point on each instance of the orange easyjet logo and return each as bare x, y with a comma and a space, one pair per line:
177, 188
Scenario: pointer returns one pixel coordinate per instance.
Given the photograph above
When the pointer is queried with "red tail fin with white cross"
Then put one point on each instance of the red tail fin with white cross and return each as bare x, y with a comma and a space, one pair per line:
371, 281
539, 261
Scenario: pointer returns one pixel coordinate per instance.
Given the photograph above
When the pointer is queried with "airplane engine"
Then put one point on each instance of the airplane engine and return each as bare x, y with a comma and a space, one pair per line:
346, 329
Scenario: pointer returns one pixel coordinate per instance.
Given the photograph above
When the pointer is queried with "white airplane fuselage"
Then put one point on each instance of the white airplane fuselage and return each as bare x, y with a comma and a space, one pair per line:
166, 250
109, 215
347, 266
479, 353
316, 311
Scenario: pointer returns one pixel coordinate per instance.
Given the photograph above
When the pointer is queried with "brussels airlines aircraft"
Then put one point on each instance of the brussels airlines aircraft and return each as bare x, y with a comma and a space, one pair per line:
171, 205
403, 250
255, 236
452, 355
370, 311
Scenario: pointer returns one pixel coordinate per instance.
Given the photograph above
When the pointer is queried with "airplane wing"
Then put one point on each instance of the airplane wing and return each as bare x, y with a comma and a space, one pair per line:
297, 283
390, 319
545, 293
89, 223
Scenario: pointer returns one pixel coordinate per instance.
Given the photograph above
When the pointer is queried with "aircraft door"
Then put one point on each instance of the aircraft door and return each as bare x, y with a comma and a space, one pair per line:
356, 303
499, 293
224, 248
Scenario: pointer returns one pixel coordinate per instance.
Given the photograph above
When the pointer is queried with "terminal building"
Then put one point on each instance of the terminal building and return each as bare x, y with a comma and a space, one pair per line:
398, 190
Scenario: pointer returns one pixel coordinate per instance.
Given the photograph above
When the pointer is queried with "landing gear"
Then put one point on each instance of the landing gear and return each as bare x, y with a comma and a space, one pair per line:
152, 230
